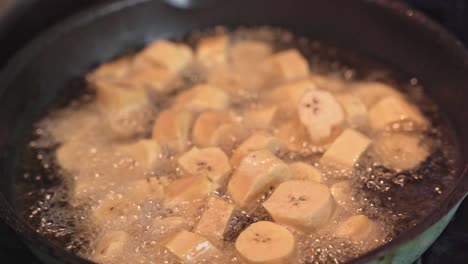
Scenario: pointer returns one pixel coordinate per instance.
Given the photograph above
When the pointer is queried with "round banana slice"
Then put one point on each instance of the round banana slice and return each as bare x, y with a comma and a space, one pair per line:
209, 162
400, 151
356, 227
320, 113
266, 242
302, 204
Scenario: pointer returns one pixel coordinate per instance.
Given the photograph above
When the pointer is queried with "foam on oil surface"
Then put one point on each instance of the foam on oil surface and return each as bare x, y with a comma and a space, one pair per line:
394, 200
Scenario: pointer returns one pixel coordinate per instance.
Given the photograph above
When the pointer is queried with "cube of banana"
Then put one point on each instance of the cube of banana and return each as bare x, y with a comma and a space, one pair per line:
172, 128
114, 69
66, 155
188, 189
212, 51
191, 248
115, 98
206, 124
372, 92
111, 245
126, 109
146, 153
293, 135
202, 97
168, 226
341, 192
152, 78
260, 118
258, 171
393, 109
173, 56
113, 208
400, 151
305, 205
214, 219
209, 162
356, 228
257, 141
355, 110
346, 149
292, 92
227, 136
288, 65
145, 189
303, 171
248, 54
328, 83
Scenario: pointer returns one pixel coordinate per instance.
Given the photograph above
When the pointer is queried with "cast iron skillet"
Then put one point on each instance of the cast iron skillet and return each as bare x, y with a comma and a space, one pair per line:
385, 30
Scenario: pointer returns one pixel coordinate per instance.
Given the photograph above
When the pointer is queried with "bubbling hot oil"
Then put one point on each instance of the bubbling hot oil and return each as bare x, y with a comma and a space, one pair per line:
396, 201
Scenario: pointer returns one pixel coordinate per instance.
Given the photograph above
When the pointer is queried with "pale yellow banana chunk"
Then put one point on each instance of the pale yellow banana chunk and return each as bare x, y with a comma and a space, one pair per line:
115, 69
293, 91
257, 141
400, 151
227, 136
212, 51
66, 155
172, 128
320, 113
393, 109
305, 205
145, 189
189, 189
288, 65
206, 125
152, 78
372, 92
191, 248
114, 207
115, 98
127, 110
209, 162
202, 97
110, 246
328, 83
293, 135
167, 226
258, 171
346, 149
341, 192
173, 56
146, 153
355, 110
303, 171
260, 118
266, 243
248, 54
357, 227
215, 218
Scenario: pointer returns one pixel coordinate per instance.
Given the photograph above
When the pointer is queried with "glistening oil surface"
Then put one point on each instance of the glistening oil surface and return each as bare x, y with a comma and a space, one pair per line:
396, 201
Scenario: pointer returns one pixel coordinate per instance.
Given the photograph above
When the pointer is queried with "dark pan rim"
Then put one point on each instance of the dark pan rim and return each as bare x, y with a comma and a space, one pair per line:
17, 63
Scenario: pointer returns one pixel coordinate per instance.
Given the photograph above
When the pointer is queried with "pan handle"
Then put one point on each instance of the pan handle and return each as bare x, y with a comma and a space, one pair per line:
189, 4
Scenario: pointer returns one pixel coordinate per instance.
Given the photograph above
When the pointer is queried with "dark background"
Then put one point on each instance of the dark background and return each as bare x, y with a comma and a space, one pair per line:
22, 20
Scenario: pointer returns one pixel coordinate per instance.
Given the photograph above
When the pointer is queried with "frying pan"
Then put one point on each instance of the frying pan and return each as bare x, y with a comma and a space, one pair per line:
386, 30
